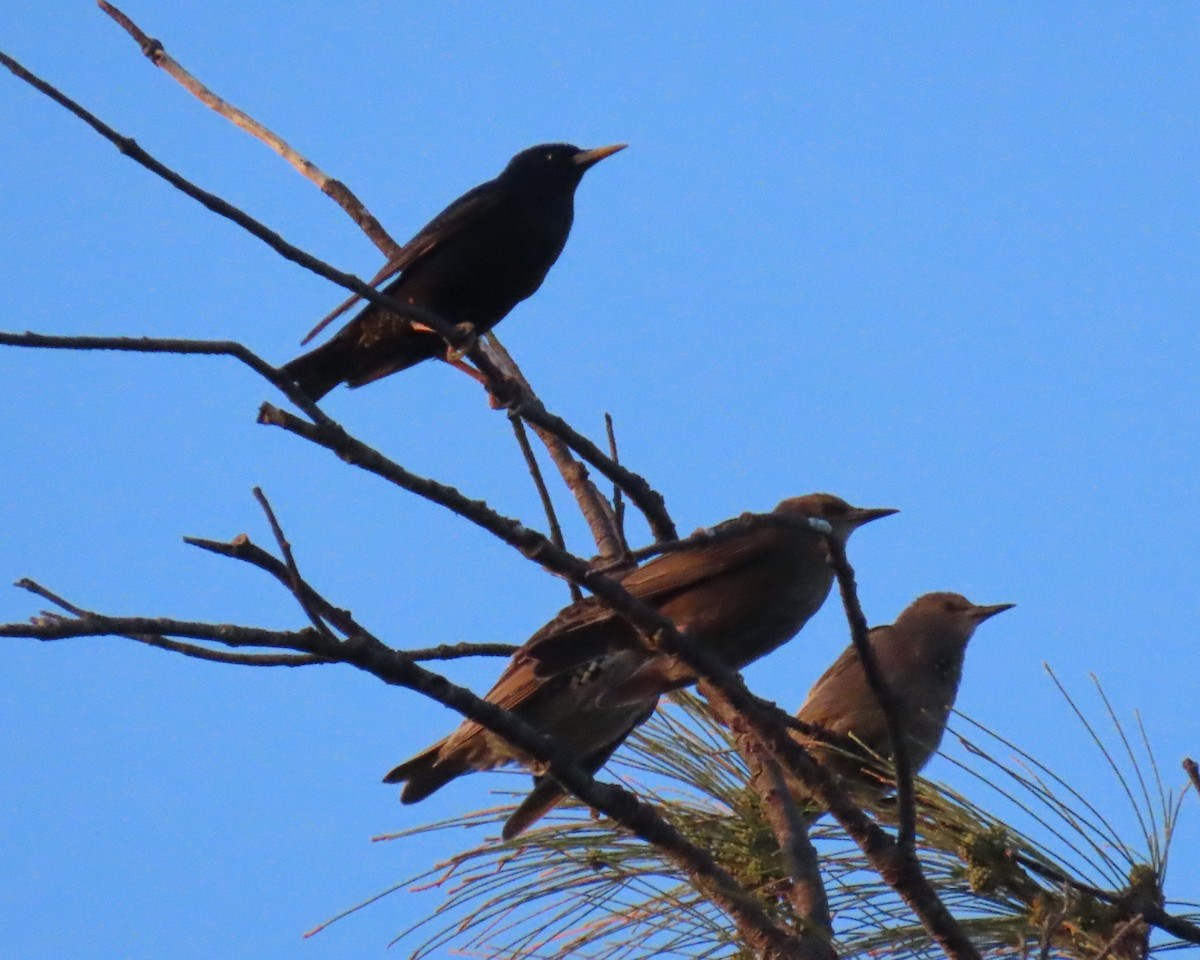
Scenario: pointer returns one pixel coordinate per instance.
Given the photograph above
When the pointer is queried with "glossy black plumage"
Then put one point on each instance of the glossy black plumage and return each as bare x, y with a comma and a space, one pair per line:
476, 260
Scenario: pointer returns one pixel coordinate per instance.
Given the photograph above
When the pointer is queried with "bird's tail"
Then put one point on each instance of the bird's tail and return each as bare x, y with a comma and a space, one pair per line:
544, 797
548, 794
320, 370
428, 772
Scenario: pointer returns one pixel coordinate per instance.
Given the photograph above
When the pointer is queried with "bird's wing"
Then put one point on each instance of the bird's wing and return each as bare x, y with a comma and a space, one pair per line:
464, 210
586, 629
842, 682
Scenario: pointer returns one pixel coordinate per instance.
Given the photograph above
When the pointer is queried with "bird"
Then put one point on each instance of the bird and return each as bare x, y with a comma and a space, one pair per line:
920, 657
745, 587
739, 591
471, 264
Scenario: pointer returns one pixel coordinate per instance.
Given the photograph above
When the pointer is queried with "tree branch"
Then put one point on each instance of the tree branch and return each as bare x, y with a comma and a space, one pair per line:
334, 189
859, 632
510, 393
618, 501
366, 652
806, 891
539, 483
506, 382
901, 872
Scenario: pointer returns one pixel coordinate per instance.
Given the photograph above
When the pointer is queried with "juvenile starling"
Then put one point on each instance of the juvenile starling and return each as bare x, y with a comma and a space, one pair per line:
921, 658
564, 705
476, 260
585, 677
739, 594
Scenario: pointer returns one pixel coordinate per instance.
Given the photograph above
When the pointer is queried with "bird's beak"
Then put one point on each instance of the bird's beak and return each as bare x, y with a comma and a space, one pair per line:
982, 613
860, 515
589, 158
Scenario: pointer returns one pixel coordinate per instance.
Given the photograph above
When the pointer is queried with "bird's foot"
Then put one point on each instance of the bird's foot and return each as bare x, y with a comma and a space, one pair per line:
467, 338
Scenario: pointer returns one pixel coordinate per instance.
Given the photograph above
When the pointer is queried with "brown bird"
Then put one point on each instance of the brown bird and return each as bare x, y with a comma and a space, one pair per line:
921, 658
585, 677
475, 261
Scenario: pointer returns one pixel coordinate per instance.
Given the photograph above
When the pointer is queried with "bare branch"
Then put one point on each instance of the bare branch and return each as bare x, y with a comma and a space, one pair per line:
510, 393
295, 583
368, 653
903, 873
806, 891
334, 189
556, 534
618, 500
905, 795
227, 348
241, 548
592, 505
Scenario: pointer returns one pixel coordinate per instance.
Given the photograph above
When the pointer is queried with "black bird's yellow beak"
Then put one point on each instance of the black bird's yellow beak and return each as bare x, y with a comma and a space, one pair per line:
982, 613
589, 158
860, 515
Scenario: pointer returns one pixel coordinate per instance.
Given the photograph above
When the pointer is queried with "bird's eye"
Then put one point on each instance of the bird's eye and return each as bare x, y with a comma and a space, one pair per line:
549, 156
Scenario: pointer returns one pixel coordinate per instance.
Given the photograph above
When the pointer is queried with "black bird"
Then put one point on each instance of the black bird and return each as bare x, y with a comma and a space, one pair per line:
585, 678
476, 260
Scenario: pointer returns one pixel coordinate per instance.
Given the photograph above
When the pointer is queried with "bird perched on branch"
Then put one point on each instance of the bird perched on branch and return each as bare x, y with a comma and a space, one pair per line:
476, 260
920, 657
738, 591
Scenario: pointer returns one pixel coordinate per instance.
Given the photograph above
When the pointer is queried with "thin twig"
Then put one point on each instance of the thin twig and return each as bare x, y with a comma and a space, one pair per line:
592, 505
513, 394
295, 581
334, 189
212, 348
556, 534
618, 499
859, 632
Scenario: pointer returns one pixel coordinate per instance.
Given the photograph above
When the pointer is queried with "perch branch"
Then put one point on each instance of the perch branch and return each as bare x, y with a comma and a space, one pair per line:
366, 652
129, 147
903, 873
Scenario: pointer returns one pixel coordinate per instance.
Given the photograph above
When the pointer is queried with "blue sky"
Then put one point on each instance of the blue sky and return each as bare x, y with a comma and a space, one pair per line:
938, 257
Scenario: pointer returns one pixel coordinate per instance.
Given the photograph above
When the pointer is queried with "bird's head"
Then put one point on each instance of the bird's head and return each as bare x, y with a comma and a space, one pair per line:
950, 616
843, 519
556, 162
